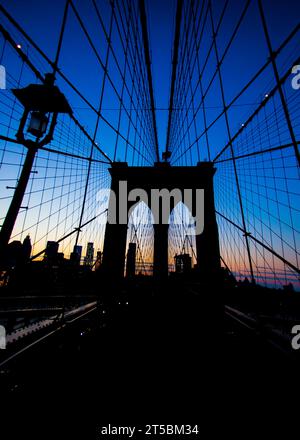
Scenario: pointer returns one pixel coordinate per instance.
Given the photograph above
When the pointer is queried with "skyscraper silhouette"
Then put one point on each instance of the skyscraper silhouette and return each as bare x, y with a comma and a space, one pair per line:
89, 258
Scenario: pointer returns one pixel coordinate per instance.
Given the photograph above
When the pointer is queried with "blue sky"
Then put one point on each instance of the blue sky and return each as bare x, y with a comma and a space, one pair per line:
42, 22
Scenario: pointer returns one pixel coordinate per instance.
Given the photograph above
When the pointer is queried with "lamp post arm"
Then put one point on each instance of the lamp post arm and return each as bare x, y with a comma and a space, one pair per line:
20, 132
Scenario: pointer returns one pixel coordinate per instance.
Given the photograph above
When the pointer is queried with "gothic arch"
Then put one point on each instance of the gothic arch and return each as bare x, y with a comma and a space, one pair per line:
161, 176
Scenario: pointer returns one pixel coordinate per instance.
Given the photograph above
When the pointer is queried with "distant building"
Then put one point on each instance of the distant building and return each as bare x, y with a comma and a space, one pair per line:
98, 260
183, 263
14, 253
89, 258
51, 251
60, 258
18, 253
130, 261
27, 247
75, 256
78, 250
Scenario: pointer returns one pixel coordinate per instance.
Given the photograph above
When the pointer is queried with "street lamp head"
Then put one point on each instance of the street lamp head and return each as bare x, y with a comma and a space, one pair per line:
38, 124
45, 98
42, 103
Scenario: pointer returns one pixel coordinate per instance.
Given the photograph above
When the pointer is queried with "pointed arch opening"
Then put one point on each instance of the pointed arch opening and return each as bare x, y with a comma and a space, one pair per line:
182, 255
140, 242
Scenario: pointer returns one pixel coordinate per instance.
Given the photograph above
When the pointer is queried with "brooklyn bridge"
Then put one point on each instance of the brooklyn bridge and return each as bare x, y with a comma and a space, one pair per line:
149, 175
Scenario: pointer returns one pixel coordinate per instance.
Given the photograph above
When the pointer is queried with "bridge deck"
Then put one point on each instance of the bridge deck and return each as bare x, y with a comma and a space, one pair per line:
143, 359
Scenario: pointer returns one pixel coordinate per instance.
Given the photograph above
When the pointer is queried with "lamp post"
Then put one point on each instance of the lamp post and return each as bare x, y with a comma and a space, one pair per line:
42, 103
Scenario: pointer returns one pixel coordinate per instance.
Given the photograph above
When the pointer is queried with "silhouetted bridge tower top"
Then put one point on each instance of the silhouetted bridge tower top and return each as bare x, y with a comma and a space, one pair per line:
171, 185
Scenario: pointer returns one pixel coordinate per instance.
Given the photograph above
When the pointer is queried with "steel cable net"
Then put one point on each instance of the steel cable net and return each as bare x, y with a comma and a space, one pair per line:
228, 106
111, 121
